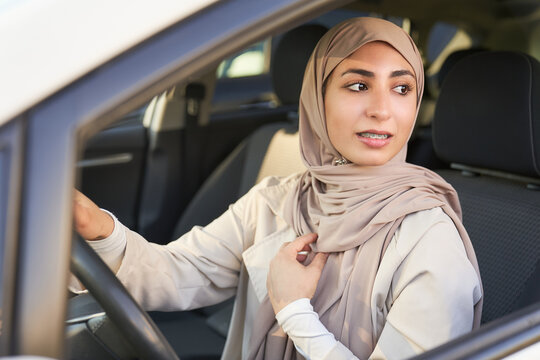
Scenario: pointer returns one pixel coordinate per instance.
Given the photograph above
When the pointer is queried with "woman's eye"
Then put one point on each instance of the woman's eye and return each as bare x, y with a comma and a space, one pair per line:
402, 89
357, 87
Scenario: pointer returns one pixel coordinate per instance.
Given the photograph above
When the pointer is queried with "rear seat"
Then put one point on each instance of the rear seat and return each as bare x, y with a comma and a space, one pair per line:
487, 126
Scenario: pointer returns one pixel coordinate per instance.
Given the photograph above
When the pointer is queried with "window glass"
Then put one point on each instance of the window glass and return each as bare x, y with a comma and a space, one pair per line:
255, 59
443, 40
440, 35
135, 117
334, 17
534, 42
249, 62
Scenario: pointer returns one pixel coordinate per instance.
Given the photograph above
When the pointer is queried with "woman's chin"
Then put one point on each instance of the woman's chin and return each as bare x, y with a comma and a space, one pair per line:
371, 160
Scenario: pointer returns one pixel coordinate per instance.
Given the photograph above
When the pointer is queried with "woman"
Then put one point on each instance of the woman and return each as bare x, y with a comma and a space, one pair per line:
363, 255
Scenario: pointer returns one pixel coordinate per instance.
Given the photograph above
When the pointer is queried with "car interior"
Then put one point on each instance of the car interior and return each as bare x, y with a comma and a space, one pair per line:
181, 159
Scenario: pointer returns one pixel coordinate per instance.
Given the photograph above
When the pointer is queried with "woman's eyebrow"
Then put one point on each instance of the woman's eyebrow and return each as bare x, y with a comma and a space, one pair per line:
367, 73
359, 72
397, 73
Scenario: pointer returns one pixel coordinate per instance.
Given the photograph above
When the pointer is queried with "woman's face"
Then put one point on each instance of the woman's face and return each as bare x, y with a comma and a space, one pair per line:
370, 104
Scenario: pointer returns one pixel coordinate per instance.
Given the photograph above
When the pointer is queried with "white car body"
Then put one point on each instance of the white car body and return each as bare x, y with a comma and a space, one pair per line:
54, 42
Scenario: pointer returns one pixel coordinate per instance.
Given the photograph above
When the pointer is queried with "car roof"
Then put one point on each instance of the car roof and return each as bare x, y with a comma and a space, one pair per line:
55, 42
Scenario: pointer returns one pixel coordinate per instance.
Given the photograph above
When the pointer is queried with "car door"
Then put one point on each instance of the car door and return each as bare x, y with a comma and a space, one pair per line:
113, 165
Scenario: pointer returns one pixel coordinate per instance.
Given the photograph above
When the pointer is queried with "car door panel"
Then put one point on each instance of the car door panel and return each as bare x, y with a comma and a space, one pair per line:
112, 168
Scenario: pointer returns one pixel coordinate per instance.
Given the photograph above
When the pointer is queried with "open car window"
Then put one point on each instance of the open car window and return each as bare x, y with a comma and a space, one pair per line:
253, 61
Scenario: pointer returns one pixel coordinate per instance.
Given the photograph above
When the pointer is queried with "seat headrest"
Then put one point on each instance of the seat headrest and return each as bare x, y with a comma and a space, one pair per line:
452, 60
290, 59
488, 113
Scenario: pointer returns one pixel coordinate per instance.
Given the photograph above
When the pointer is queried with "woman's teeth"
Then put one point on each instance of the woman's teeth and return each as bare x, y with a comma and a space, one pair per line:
374, 136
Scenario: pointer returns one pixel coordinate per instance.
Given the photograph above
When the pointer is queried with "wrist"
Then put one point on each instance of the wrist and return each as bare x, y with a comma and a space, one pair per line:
107, 225
293, 307
280, 305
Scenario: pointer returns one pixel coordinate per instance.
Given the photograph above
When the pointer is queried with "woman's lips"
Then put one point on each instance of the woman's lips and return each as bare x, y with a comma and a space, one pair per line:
374, 138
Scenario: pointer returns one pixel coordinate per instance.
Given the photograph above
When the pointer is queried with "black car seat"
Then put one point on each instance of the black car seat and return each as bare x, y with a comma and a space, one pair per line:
487, 126
452, 60
290, 58
420, 146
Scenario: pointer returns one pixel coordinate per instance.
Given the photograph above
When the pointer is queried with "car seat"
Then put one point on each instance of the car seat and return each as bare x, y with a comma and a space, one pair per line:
420, 146
452, 59
487, 126
268, 150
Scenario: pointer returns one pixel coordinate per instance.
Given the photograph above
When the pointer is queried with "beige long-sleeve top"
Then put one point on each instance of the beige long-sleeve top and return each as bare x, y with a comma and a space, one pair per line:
423, 295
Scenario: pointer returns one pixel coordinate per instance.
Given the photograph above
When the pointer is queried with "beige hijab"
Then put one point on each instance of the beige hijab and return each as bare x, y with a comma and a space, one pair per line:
355, 210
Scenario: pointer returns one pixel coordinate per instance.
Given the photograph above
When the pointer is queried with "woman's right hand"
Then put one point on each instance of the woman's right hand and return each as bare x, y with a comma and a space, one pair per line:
89, 220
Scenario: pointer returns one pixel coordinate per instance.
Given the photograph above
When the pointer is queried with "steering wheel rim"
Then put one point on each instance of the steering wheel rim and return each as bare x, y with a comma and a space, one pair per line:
132, 321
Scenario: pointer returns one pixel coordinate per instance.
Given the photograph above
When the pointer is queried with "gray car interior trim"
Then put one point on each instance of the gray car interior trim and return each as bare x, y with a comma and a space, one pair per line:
496, 340
11, 161
83, 319
106, 160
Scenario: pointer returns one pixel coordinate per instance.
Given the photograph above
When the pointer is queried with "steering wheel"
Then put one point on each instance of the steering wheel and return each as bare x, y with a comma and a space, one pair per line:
132, 321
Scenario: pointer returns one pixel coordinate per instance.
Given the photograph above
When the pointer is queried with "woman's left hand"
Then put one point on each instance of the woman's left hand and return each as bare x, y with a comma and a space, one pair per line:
288, 279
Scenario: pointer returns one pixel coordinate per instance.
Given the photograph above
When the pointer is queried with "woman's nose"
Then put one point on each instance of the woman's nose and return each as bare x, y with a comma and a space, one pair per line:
379, 106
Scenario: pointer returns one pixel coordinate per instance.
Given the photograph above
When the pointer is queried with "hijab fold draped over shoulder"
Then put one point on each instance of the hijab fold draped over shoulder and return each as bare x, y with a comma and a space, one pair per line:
355, 210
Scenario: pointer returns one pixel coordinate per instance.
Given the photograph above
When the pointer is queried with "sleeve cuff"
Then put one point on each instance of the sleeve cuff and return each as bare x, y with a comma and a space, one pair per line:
302, 325
302, 305
105, 242
111, 249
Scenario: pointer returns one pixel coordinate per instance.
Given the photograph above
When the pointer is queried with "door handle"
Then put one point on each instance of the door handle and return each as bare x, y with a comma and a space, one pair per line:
115, 159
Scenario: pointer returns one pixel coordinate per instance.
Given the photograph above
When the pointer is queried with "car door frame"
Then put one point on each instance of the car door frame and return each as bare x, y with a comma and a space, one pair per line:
56, 129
